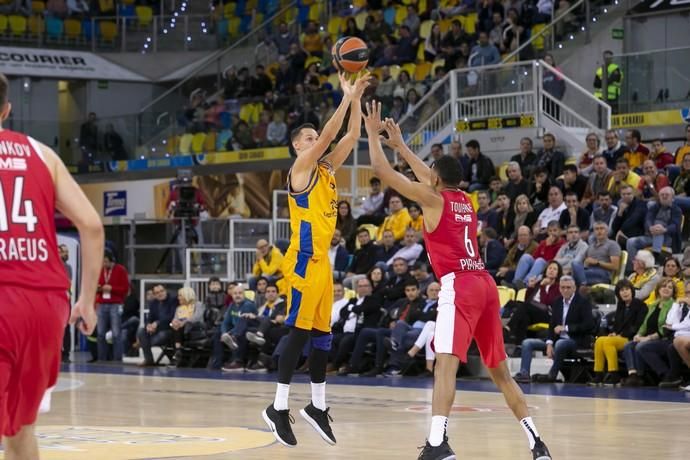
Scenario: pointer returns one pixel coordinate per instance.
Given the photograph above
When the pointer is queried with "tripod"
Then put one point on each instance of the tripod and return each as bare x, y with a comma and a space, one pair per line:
191, 237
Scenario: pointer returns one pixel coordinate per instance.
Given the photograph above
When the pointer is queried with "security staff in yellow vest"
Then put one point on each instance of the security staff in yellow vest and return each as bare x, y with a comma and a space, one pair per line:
614, 79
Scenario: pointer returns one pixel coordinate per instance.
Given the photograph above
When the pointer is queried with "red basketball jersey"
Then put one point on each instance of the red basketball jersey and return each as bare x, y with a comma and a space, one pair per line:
28, 243
452, 246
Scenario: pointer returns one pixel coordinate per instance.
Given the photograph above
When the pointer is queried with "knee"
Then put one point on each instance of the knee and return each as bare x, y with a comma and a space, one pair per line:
321, 340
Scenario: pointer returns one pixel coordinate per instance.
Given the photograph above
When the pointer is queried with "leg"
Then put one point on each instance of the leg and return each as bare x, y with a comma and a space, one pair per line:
682, 346
599, 354
537, 268
653, 354
103, 327
523, 267
578, 272
611, 348
116, 329
561, 350
443, 396
398, 332
630, 357
347, 342
22, 446
145, 345
529, 346
365, 337
380, 347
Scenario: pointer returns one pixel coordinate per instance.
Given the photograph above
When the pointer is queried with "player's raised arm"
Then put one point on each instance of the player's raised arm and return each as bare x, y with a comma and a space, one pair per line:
306, 161
395, 141
344, 147
71, 201
421, 193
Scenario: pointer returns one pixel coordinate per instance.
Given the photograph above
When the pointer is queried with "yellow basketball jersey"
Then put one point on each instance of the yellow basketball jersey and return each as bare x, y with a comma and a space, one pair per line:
313, 213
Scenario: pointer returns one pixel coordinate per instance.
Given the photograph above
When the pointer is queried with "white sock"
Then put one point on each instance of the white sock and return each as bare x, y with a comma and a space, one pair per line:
439, 423
318, 395
530, 430
282, 393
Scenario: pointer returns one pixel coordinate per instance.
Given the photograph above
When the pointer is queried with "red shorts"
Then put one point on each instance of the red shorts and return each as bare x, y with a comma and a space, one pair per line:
468, 308
32, 324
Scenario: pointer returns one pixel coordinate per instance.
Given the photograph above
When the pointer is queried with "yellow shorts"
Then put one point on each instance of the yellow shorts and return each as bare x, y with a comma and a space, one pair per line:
309, 291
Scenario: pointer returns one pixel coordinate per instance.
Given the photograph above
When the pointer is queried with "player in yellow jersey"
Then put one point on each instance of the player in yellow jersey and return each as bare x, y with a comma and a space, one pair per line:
313, 201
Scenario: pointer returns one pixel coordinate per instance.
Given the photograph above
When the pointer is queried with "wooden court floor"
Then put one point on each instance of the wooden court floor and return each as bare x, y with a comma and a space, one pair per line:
125, 415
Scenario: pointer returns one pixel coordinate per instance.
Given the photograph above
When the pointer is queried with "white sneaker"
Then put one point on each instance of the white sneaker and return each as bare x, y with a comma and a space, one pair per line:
685, 388
229, 340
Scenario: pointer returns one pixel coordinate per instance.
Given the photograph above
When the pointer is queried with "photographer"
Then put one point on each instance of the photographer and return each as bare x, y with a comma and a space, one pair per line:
187, 207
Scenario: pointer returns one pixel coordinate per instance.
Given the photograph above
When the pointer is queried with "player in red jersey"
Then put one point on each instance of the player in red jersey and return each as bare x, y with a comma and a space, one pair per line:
33, 284
468, 306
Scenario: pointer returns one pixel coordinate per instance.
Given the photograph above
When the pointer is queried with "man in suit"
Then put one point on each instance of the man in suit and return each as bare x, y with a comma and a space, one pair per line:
571, 326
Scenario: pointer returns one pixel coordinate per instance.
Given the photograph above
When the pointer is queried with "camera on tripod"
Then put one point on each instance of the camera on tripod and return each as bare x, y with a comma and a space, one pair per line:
186, 206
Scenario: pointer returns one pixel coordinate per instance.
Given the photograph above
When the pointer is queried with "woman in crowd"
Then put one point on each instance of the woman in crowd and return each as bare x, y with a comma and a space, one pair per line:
524, 215
645, 276
652, 330
417, 223
432, 44
187, 313
630, 313
671, 270
377, 278
584, 164
536, 308
347, 224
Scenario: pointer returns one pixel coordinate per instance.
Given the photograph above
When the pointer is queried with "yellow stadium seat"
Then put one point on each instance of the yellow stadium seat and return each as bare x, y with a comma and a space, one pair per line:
36, 25
521, 295
258, 19
359, 3
171, 145
334, 80
378, 71
470, 24
72, 29
128, 2
185, 145
38, 7
538, 327
246, 112
400, 14
571, 161
422, 71
425, 28
421, 5
334, 25
420, 52
234, 27
350, 294
445, 25
538, 42
229, 10
395, 71
437, 63
315, 12
210, 142
505, 295
3, 23
108, 31
249, 295
361, 20
272, 69
144, 16
198, 142
18, 25
502, 171
311, 60
474, 200
410, 68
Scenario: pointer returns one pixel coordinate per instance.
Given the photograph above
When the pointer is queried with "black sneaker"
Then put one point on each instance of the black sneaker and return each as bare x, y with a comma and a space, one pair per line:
612, 378
320, 421
540, 451
441, 452
597, 380
279, 422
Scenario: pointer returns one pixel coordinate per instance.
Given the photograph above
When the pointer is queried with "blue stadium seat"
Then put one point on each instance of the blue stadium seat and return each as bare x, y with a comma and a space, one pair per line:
389, 16
54, 28
223, 29
245, 24
302, 14
87, 29
240, 7
127, 11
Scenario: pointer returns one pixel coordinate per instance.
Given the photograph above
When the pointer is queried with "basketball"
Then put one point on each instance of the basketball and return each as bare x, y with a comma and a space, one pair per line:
350, 54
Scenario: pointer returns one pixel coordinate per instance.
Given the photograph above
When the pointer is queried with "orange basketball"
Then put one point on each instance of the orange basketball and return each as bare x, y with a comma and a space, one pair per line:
350, 54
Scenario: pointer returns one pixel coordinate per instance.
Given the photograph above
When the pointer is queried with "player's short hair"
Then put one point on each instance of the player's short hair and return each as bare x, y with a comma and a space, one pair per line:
297, 131
4, 89
449, 170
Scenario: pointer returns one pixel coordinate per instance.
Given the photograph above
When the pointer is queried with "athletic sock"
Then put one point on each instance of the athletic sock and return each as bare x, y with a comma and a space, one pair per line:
318, 395
439, 423
282, 393
530, 430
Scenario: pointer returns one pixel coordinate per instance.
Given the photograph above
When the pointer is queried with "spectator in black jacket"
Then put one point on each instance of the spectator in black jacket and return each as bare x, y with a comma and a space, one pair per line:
629, 219
549, 158
338, 256
130, 321
614, 150
572, 180
157, 330
574, 214
395, 286
260, 83
526, 158
363, 259
407, 330
477, 167
492, 251
517, 184
629, 315
571, 326
388, 247
363, 311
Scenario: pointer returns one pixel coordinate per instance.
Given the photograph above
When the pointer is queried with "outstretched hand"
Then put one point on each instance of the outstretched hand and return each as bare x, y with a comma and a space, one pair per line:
372, 118
361, 84
395, 137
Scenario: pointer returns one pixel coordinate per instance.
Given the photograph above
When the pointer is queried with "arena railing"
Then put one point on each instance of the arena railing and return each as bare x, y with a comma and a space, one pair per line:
654, 80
